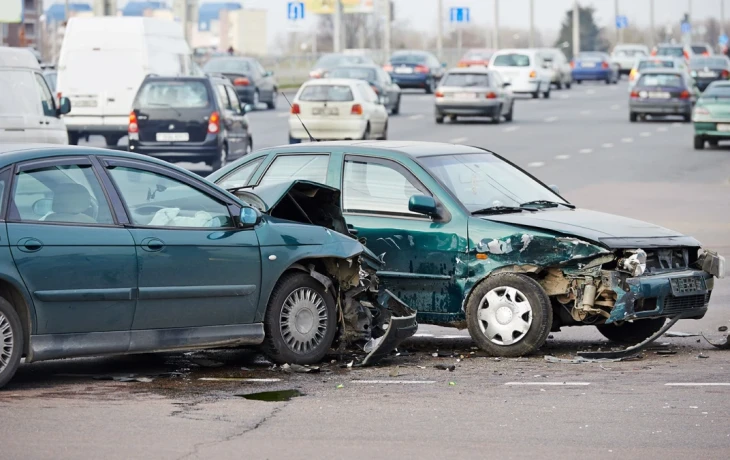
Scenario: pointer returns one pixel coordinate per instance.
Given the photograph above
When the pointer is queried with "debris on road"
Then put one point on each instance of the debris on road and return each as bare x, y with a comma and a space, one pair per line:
445, 367
680, 334
722, 328
582, 360
237, 379
666, 352
300, 369
722, 345
701, 356
205, 362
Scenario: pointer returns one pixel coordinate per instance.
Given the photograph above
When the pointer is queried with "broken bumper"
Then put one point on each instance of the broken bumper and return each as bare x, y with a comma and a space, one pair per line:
402, 325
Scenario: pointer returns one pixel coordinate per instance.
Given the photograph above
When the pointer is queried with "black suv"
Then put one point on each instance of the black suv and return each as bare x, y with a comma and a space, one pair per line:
189, 119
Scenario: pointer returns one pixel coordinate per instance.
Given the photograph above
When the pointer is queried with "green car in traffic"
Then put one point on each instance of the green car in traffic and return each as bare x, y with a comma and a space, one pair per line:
711, 116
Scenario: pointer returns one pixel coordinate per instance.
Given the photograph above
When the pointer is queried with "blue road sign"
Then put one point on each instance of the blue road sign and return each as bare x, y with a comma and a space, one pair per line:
686, 27
622, 22
722, 40
460, 14
295, 11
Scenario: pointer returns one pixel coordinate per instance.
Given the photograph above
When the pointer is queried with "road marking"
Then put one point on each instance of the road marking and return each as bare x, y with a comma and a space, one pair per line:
562, 157
662, 129
607, 145
591, 91
551, 119
416, 117
535, 164
509, 129
581, 384
585, 112
282, 115
708, 384
423, 335
677, 123
564, 96
458, 140
396, 382
615, 107
645, 134
585, 151
627, 140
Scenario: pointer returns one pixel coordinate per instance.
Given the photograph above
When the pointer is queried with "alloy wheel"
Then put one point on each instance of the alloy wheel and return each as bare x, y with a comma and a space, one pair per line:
6, 336
303, 320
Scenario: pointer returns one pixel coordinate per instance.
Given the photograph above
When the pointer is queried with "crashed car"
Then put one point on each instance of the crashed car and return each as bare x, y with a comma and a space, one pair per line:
471, 240
114, 253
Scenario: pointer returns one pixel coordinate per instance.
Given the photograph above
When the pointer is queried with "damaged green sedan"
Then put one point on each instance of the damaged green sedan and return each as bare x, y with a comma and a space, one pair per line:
471, 240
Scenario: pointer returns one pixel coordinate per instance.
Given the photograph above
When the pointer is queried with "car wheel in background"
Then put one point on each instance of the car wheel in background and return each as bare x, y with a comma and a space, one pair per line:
579, 81
511, 114
366, 134
222, 158
568, 85
509, 314
633, 117
300, 321
497, 118
687, 117
11, 341
559, 85
699, 143
546, 94
249, 147
272, 105
384, 136
439, 119
294, 141
396, 107
713, 142
631, 333
73, 138
608, 80
430, 86
111, 140
536, 94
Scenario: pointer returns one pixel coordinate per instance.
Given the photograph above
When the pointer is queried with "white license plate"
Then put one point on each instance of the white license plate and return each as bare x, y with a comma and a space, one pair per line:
172, 137
325, 111
84, 103
658, 95
588, 64
403, 70
465, 96
707, 74
724, 127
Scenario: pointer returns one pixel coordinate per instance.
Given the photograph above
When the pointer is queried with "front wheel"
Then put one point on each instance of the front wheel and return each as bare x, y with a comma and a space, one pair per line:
633, 117
631, 333
11, 341
699, 143
272, 104
396, 107
497, 117
509, 314
511, 115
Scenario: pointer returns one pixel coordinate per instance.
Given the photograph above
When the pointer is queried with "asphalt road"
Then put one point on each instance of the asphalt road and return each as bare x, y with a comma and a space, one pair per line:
660, 406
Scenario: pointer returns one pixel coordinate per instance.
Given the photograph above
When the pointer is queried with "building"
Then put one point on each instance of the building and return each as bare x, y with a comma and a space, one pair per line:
28, 32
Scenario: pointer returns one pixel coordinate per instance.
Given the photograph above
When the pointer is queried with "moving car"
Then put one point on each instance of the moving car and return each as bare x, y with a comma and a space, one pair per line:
103, 61
626, 55
672, 50
524, 70
337, 109
661, 92
331, 60
469, 238
702, 49
28, 110
253, 83
594, 65
705, 70
117, 253
558, 66
474, 92
655, 63
380, 81
189, 119
415, 69
476, 57
711, 116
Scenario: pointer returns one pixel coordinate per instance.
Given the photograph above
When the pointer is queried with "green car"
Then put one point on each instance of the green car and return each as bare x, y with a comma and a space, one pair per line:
108, 252
711, 115
471, 240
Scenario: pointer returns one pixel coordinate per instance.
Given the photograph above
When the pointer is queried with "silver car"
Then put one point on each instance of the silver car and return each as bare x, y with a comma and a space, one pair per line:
474, 92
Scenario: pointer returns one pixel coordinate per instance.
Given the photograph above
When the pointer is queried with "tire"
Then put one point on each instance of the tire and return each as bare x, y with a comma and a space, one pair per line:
699, 143
384, 137
12, 341
568, 85
73, 138
511, 115
396, 107
559, 85
580, 82
249, 147
633, 117
305, 298
631, 333
272, 105
536, 94
504, 288
546, 94
608, 80
430, 86
687, 117
256, 100
366, 134
439, 119
497, 118
112, 140
713, 142
222, 158
294, 141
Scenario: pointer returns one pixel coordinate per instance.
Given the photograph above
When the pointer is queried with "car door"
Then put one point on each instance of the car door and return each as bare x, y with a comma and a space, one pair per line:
76, 259
378, 113
229, 120
392, 91
196, 268
267, 81
21, 119
55, 129
239, 125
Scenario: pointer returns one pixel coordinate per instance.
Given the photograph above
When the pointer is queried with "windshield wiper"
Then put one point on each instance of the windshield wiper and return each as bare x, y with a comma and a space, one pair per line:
547, 204
501, 210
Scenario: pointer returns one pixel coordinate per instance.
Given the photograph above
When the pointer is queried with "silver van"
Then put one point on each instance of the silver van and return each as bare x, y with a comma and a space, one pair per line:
28, 110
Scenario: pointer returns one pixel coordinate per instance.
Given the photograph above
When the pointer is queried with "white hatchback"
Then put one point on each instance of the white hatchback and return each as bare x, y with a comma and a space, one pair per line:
337, 109
524, 69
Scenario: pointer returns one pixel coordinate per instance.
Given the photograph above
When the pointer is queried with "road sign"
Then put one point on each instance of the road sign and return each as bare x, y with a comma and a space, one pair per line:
295, 11
722, 40
622, 22
686, 28
460, 14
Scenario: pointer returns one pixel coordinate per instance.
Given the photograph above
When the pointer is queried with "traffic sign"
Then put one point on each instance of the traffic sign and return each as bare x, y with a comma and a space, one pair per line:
295, 11
622, 22
686, 28
459, 14
722, 40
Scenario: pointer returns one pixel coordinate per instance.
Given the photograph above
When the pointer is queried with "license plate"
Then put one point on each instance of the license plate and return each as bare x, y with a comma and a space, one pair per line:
690, 285
707, 74
724, 127
588, 64
465, 96
658, 95
403, 70
325, 111
84, 103
172, 137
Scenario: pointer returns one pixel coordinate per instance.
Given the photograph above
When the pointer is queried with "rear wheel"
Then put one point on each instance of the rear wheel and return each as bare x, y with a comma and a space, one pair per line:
112, 139
511, 114
568, 85
222, 157
699, 143
579, 82
631, 333
430, 86
73, 138
396, 107
272, 105
497, 118
687, 117
713, 142
366, 134
546, 94
11, 341
633, 117
384, 137
439, 119
536, 94
559, 85
608, 80
293, 140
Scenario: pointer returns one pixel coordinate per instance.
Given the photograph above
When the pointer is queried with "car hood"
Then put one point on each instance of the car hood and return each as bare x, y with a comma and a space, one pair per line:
610, 230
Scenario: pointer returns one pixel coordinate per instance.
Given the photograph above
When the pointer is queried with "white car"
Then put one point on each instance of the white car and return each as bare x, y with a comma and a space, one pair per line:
626, 55
525, 70
337, 109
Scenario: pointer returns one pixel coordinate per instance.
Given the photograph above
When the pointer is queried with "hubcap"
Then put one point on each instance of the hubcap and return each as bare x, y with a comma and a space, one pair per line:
505, 315
6, 336
303, 320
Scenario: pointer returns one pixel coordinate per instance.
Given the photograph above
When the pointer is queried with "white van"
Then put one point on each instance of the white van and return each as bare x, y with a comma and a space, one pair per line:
102, 63
524, 69
28, 110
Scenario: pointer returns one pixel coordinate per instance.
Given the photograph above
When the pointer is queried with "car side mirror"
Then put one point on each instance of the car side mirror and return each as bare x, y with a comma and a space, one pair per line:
555, 189
423, 204
444, 65
64, 106
247, 108
249, 217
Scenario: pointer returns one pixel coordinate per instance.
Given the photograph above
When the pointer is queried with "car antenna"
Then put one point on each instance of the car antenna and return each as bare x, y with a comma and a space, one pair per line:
311, 138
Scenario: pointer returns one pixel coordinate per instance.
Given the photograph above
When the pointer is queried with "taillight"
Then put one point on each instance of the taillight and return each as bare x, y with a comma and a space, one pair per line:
375, 88
356, 110
724, 74
241, 81
632, 75
684, 94
214, 123
686, 54
706, 54
653, 52
491, 96
463, 64
133, 127
421, 69
634, 94
439, 94
572, 64
295, 110
533, 74
604, 65
388, 68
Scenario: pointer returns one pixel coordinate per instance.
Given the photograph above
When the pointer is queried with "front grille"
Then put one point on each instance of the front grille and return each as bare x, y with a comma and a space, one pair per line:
674, 305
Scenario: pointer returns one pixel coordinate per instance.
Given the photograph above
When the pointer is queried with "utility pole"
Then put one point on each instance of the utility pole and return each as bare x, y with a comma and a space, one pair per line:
495, 39
387, 31
337, 32
722, 16
440, 29
576, 28
532, 23
652, 39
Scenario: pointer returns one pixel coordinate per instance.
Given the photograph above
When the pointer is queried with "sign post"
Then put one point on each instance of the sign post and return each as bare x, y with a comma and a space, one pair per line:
459, 16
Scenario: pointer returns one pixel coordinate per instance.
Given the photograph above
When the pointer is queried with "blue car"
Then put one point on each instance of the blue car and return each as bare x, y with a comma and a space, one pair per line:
415, 69
594, 66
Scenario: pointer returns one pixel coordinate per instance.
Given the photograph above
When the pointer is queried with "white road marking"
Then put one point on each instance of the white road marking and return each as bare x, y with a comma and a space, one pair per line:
607, 145
396, 382
645, 134
509, 129
615, 107
585, 112
416, 117
535, 164
551, 119
585, 151
662, 129
677, 123
708, 384
627, 140
562, 157
591, 91
582, 384
458, 140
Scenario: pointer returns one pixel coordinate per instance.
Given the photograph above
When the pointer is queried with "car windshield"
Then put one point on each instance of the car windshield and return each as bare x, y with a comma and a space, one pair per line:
482, 180
655, 64
629, 52
675, 51
466, 79
512, 60
177, 94
336, 60
354, 73
322, 93
227, 66
661, 79
408, 59
714, 63
717, 90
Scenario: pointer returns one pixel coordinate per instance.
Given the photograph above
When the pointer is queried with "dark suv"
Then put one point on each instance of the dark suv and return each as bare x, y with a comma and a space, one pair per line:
189, 119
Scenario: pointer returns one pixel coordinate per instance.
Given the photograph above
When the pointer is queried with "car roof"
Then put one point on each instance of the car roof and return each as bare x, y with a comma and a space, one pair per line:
225, 57
414, 149
670, 45
357, 66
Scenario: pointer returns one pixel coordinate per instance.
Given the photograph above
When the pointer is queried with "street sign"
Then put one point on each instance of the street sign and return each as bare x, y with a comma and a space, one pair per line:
295, 11
622, 22
686, 28
722, 40
459, 15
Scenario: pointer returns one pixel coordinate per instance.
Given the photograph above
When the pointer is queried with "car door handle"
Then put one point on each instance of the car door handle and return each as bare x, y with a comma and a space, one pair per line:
352, 230
29, 245
152, 244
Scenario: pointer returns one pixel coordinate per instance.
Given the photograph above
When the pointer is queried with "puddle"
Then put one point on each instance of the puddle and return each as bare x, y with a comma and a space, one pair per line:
273, 396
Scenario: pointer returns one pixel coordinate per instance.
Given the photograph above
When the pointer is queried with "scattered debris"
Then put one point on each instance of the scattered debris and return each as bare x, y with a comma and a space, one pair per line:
394, 372
205, 362
340, 386
445, 367
236, 379
300, 369
582, 360
722, 346
273, 396
125, 378
452, 384
666, 352
722, 328
679, 334
701, 356
632, 350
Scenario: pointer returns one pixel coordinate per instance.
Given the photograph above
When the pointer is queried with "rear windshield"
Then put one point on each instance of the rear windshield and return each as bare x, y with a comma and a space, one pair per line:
227, 66
336, 60
322, 93
716, 90
656, 64
177, 94
512, 60
676, 51
715, 63
629, 52
699, 49
466, 79
661, 79
19, 93
408, 59
354, 73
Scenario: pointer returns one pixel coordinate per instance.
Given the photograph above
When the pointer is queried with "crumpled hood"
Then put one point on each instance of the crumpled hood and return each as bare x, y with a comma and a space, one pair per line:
612, 231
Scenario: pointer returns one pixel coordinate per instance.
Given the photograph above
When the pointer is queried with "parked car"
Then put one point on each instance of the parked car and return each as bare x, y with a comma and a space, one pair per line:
643, 64
116, 253
702, 49
337, 109
561, 74
253, 83
476, 57
673, 50
706, 70
625, 55
470, 238
415, 69
524, 70
380, 81
711, 116
189, 119
474, 92
331, 60
593, 65
28, 110
661, 92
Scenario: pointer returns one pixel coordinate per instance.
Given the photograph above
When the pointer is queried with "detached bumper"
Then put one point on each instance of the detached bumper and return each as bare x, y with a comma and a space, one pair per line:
401, 326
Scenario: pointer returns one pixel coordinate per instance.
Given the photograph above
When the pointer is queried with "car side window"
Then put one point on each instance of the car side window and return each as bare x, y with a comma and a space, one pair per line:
234, 100
378, 187
223, 97
63, 193
156, 200
303, 167
240, 177
49, 106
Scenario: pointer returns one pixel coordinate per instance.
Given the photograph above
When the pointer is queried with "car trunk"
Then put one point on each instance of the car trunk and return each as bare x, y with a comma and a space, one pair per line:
168, 125
325, 109
659, 92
